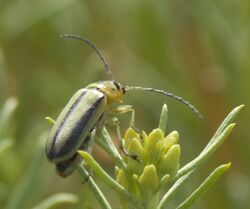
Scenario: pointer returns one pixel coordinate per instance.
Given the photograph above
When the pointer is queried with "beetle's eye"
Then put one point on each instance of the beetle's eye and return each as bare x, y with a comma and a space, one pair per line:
123, 90
116, 85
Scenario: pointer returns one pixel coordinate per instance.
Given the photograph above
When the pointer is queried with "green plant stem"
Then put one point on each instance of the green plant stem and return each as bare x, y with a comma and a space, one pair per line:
57, 200
89, 160
205, 186
163, 118
153, 201
95, 189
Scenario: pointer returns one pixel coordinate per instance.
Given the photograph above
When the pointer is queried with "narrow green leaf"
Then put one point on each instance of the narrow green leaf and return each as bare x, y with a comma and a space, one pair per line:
163, 118
184, 173
230, 117
172, 191
205, 186
57, 200
50, 120
204, 155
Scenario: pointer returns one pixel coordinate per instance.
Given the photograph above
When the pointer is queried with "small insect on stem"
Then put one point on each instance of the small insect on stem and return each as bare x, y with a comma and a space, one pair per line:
86, 113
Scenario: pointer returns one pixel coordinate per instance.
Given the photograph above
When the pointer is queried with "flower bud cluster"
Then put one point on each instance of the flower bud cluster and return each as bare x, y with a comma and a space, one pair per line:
157, 161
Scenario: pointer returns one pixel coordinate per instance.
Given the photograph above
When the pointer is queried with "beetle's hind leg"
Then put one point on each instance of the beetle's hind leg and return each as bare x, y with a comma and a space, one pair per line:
66, 168
86, 179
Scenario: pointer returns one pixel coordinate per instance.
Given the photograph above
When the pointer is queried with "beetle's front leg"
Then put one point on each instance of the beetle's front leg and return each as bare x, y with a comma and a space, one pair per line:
125, 109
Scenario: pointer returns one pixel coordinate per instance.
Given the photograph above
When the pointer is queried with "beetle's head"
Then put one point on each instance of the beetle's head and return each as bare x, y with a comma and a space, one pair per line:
112, 89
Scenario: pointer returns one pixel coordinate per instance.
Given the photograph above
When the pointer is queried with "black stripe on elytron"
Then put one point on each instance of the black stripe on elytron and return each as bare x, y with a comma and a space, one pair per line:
78, 129
51, 154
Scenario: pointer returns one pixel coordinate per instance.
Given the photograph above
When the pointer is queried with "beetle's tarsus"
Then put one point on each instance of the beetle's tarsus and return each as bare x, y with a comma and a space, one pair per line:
86, 179
137, 130
132, 156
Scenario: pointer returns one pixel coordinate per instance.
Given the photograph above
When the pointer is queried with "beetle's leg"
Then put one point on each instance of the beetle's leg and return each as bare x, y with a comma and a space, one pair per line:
124, 109
88, 147
92, 140
66, 168
86, 179
115, 122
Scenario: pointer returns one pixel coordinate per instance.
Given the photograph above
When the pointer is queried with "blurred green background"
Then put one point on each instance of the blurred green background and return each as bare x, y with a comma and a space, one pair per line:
198, 49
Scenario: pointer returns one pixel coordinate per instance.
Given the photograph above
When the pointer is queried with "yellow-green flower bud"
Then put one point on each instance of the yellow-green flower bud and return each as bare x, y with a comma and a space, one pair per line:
121, 177
157, 162
144, 137
171, 139
159, 151
117, 170
129, 135
149, 181
165, 179
170, 162
150, 144
134, 149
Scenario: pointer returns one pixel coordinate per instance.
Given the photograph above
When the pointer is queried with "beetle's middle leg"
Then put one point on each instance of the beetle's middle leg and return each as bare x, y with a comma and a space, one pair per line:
92, 140
88, 147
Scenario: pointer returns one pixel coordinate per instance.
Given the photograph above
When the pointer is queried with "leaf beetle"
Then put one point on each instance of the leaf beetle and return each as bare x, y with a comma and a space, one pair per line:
86, 112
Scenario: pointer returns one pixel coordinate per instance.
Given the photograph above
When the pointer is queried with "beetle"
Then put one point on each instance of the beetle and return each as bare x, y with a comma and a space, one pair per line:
86, 113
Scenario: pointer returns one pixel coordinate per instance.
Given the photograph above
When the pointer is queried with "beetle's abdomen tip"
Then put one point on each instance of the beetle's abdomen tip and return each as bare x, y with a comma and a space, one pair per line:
49, 157
62, 170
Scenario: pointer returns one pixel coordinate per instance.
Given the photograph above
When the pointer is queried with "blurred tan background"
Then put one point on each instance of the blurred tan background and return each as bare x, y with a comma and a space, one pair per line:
198, 49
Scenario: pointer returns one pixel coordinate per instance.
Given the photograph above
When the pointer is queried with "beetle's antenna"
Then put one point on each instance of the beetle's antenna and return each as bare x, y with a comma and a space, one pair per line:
87, 41
169, 94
